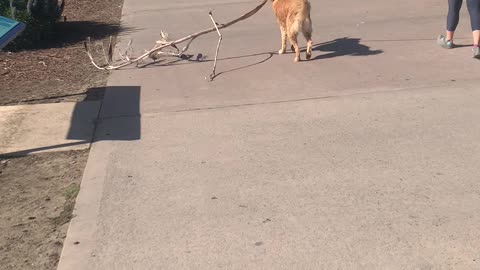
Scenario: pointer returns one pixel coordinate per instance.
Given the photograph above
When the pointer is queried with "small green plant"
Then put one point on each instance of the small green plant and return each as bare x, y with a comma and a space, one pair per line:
39, 16
66, 215
72, 192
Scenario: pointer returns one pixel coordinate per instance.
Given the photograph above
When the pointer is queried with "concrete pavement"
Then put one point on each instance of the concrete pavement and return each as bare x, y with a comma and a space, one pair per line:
364, 158
38, 128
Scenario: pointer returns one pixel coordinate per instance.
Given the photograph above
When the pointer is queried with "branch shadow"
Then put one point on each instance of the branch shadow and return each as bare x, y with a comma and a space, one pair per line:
189, 59
338, 47
91, 94
343, 47
268, 57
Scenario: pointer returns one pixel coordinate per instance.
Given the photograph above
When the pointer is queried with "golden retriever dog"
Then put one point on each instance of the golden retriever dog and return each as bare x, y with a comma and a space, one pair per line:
293, 16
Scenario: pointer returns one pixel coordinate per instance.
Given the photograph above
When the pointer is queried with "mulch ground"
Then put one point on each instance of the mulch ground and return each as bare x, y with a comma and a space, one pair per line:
37, 197
59, 69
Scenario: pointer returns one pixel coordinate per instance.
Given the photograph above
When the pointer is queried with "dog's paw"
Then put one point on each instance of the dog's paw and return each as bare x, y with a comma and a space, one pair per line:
296, 60
281, 51
309, 55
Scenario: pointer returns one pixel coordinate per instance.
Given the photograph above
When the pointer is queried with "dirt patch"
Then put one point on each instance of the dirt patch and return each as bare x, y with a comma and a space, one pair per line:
59, 70
37, 196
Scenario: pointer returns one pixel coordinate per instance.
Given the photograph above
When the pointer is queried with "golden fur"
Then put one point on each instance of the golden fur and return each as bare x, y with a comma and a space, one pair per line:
293, 16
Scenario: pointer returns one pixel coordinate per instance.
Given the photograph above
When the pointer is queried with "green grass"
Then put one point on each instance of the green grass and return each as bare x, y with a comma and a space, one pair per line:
66, 215
72, 192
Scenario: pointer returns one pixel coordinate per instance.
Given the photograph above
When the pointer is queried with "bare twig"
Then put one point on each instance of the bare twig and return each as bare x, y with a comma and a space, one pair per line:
105, 57
124, 56
108, 57
164, 42
87, 45
188, 45
212, 75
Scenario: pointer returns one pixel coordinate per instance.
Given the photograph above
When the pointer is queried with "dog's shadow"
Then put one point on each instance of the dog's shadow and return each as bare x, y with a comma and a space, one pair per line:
343, 47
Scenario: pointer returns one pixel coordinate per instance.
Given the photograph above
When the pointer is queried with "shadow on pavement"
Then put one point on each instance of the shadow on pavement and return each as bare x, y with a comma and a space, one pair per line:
338, 47
343, 47
91, 94
188, 59
120, 117
117, 119
72, 32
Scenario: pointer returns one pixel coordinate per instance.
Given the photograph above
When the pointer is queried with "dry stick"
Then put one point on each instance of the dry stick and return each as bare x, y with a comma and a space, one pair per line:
157, 49
124, 56
110, 50
108, 57
213, 75
87, 44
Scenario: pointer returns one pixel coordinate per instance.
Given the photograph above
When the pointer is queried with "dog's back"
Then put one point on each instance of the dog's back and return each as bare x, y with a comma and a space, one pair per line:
293, 16
288, 11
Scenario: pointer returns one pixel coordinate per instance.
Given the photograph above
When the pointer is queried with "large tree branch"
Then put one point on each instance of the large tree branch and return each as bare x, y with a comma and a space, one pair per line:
164, 43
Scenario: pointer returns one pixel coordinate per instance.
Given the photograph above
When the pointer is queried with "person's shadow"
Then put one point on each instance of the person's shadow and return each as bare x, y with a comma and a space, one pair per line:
343, 47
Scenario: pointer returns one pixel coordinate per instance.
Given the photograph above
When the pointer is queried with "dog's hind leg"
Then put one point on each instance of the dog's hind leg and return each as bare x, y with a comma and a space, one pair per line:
307, 33
284, 40
292, 33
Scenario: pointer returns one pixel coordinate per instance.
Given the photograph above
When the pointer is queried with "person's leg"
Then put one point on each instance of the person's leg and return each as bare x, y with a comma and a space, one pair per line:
474, 10
476, 38
476, 42
453, 18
